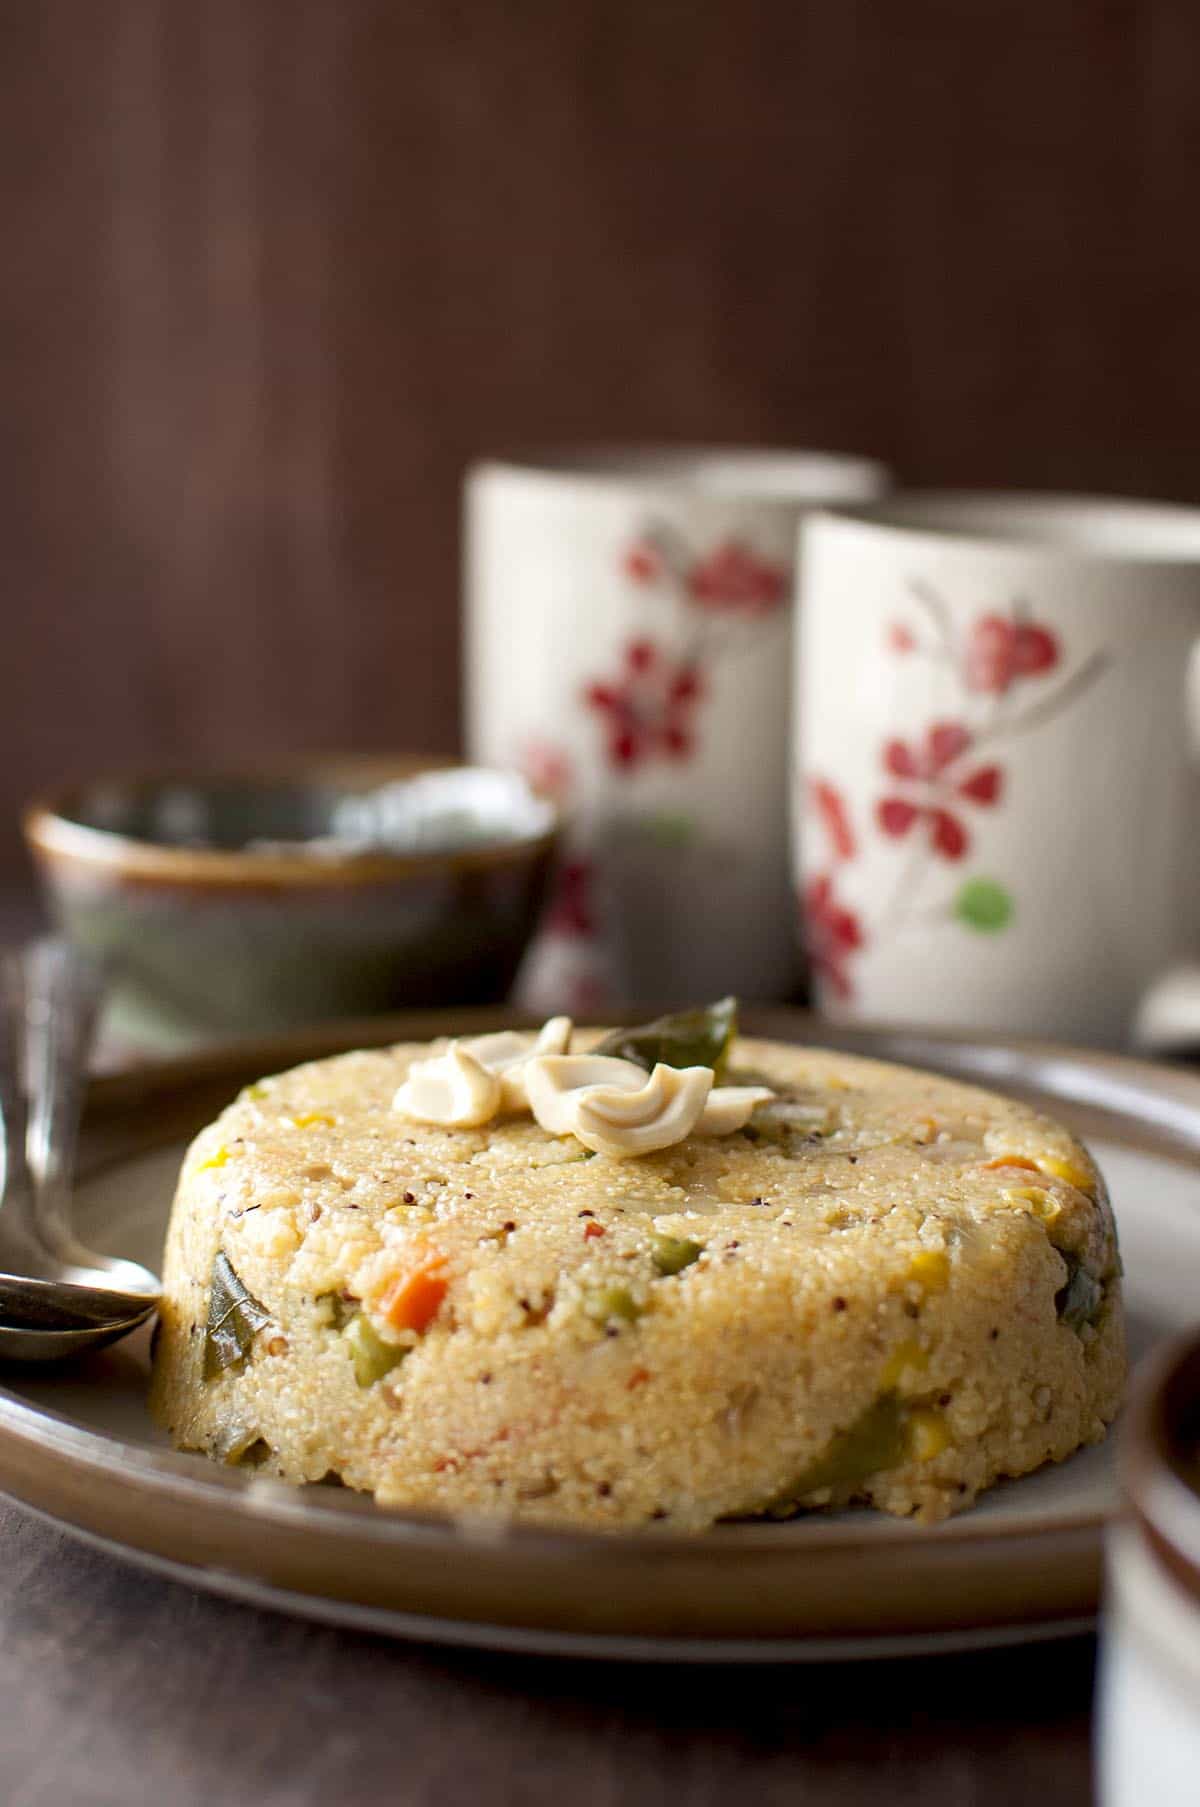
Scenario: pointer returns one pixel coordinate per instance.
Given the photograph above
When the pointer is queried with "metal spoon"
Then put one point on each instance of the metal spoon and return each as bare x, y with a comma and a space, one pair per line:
57, 1298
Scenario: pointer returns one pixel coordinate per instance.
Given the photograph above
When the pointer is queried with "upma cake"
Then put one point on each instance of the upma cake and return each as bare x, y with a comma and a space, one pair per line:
668, 1275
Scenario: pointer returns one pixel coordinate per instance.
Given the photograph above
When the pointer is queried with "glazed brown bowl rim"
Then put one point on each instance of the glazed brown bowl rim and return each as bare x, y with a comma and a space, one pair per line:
1163, 1504
54, 833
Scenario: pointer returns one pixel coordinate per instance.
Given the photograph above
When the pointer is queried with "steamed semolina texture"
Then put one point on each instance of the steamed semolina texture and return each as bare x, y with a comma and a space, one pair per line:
888, 1288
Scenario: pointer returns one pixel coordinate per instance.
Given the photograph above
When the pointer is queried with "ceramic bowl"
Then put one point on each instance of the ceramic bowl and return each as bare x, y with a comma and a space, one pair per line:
235, 904
1149, 1720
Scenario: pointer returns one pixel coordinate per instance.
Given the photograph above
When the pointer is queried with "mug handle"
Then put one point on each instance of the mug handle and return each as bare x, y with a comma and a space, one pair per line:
1168, 1018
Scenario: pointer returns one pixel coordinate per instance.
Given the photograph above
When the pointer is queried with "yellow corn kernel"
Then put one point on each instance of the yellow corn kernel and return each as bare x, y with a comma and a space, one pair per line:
252, 1093
308, 1118
931, 1269
1043, 1204
908, 1355
927, 1434
214, 1160
834, 1084
1070, 1171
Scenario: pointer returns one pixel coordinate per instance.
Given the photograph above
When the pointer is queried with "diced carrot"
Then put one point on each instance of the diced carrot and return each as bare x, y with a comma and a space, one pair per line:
638, 1378
592, 1229
411, 1302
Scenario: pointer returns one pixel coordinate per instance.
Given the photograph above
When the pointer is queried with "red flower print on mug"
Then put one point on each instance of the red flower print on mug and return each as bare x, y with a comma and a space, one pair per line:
547, 768
947, 836
643, 562
928, 766
943, 744
733, 577
570, 910
999, 651
936, 777
648, 709
832, 934
830, 807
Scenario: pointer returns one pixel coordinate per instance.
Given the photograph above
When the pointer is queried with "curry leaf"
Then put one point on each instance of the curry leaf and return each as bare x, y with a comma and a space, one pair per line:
1080, 1299
874, 1442
690, 1038
235, 1317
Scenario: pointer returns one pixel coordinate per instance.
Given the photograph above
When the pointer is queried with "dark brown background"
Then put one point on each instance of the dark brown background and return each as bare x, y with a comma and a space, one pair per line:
275, 270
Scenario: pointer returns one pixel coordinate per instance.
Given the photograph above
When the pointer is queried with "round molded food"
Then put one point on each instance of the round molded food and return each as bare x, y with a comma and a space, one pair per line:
888, 1287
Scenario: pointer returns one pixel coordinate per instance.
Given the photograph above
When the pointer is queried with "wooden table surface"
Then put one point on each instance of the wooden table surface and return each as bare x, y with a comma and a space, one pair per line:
118, 1687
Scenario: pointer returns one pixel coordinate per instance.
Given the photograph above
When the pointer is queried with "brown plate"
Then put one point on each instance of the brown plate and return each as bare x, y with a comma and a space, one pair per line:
77, 1445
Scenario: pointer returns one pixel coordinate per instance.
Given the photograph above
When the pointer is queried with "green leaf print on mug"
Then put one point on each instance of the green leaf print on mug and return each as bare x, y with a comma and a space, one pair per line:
984, 905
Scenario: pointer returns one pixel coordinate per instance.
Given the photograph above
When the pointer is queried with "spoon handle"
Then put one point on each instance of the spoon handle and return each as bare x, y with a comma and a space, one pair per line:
19, 1236
59, 1298
62, 998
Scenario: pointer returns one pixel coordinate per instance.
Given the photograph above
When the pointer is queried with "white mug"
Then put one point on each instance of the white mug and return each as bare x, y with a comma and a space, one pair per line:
628, 629
996, 808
